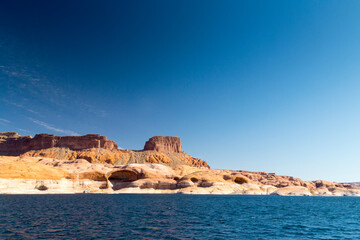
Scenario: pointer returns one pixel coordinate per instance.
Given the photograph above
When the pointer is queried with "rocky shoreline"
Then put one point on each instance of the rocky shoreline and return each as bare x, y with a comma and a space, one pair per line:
52, 165
35, 175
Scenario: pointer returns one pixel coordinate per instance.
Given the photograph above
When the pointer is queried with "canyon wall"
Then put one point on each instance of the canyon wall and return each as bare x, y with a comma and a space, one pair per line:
97, 148
12, 143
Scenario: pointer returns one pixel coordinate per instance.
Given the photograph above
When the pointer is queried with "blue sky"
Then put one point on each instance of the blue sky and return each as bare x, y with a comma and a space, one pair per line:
254, 85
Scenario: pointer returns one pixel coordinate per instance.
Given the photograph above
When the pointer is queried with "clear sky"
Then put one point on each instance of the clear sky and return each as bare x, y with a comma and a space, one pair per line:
255, 85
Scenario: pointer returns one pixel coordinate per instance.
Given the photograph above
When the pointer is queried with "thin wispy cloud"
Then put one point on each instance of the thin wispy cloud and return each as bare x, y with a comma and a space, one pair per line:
23, 130
8, 125
4, 120
23, 82
50, 127
21, 106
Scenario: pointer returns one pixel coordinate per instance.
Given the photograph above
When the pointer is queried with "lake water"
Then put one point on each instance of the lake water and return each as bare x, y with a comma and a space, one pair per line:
130, 216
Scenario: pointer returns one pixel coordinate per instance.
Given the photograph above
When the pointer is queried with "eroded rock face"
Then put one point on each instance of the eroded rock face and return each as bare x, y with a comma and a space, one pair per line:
96, 149
327, 184
167, 144
119, 157
14, 144
276, 180
49, 175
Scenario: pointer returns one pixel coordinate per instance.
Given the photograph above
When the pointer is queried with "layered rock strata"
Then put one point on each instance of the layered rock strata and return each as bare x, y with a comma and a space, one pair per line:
96, 148
53, 164
13, 144
48, 175
164, 144
119, 157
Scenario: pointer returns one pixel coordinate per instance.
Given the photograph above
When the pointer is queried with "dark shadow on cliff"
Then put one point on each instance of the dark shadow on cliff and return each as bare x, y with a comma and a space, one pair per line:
121, 178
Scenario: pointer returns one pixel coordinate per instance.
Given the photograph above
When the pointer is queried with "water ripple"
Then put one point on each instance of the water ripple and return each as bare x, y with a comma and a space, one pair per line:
178, 217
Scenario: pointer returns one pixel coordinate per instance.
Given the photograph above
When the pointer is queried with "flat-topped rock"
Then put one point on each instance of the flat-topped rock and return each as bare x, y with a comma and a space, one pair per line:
13, 144
168, 144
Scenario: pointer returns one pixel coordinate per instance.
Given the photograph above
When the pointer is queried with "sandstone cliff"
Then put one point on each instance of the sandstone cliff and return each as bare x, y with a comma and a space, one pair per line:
96, 148
49, 163
28, 168
49, 175
13, 144
118, 157
164, 144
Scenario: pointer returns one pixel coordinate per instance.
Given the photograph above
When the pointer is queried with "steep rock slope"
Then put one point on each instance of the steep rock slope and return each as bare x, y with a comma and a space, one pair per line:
161, 144
96, 148
13, 144
119, 157
28, 168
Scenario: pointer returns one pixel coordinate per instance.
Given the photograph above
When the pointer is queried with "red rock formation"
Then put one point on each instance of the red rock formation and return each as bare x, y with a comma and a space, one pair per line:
327, 184
167, 144
14, 144
276, 180
91, 154
96, 148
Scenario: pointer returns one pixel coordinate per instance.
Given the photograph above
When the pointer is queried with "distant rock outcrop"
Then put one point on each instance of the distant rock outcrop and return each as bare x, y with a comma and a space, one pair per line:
276, 180
164, 144
96, 149
13, 144
119, 157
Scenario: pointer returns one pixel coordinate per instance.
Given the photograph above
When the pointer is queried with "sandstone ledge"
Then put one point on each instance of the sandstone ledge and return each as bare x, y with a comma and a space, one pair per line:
37, 175
66, 186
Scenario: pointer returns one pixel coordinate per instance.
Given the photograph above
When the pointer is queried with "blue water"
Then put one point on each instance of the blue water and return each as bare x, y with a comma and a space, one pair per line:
91, 216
